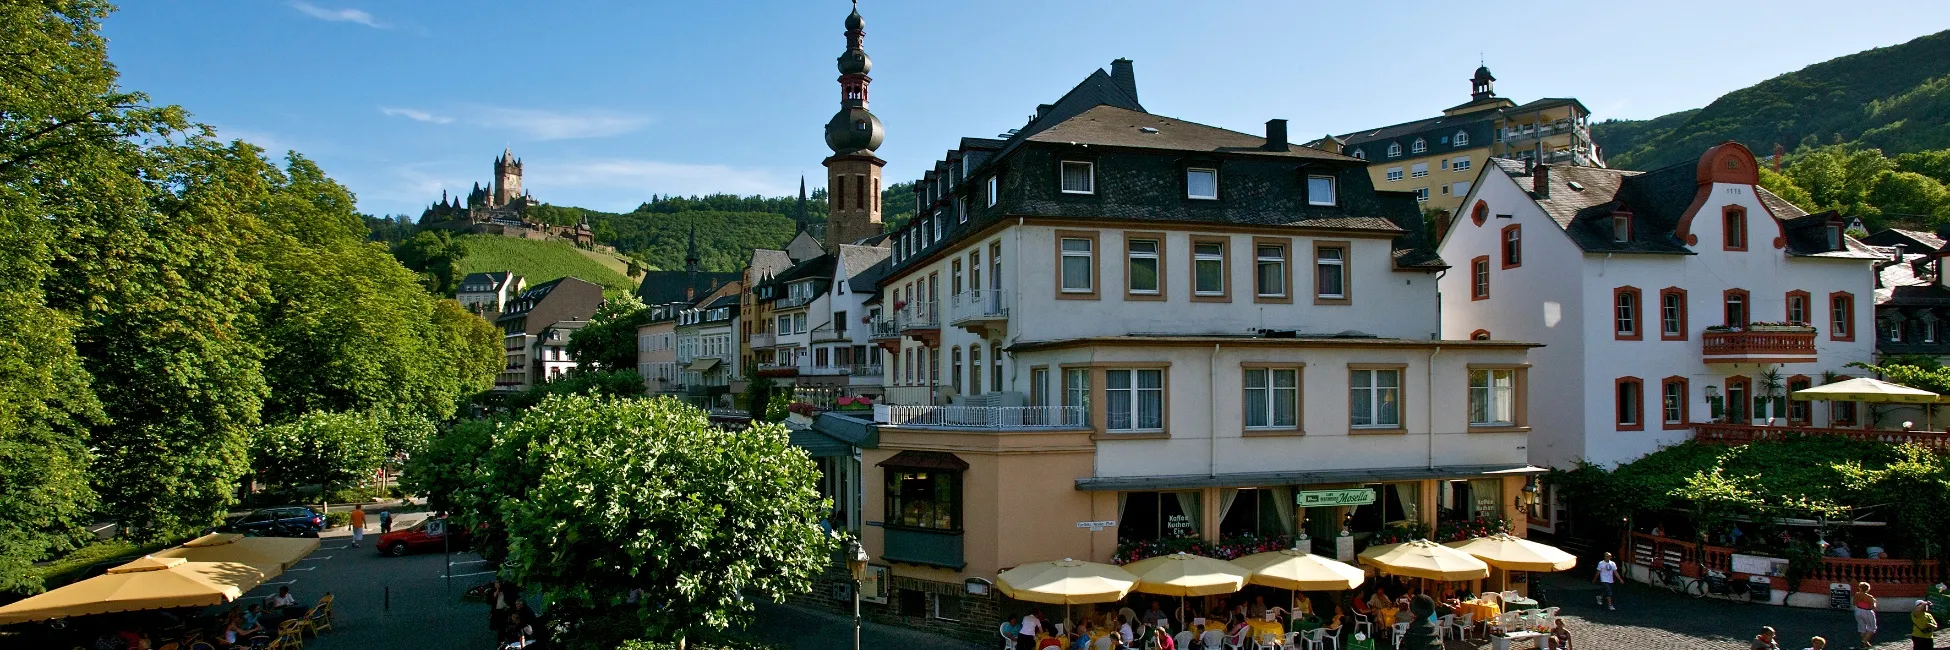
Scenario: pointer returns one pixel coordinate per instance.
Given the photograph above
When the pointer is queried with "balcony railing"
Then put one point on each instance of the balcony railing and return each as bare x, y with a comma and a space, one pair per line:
1738, 434
885, 328
778, 369
919, 315
979, 305
763, 340
866, 369
983, 417
789, 303
1763, 344
1888, 578
826, 334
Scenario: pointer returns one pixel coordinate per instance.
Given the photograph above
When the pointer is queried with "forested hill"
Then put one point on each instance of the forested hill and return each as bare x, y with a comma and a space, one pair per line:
1890, 98
728, 226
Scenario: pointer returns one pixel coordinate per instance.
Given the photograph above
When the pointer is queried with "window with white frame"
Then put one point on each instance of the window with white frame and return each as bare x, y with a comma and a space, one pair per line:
1077, 264
1320, 190
1418, 170
1493, 397
1422, 194
1208, 269
1134, 399
1079, 177
1076, 387
1375, 400
1394, 174
1143, 270
1419, 146
1330, 272
937, 227
1394, 149
1272, 398
1201, 183
1459, 164
991, 193
1270, 266
1462, 138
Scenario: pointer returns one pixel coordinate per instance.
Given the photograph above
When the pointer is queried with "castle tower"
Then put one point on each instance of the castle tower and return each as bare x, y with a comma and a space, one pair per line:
853, 171
507, 178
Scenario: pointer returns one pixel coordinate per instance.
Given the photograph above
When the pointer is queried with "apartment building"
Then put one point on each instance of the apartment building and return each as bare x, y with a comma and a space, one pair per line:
820, 320
707, 344
526, 319
485, 294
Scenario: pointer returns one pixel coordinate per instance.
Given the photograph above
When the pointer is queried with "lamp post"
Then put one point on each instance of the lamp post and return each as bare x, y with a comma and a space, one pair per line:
856, 562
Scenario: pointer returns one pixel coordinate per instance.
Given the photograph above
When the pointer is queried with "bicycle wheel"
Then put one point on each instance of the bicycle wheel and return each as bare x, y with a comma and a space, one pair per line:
1696, 589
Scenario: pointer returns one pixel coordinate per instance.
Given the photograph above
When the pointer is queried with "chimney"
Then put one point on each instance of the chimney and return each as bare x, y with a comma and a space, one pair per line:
1126, 80
1275, 135
1540, 181
1897, 254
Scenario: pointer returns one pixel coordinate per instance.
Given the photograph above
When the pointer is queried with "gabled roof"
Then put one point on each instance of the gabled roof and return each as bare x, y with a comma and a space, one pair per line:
860, 260
1115, 126
1098, 89
495, 278
767, 262
803, 247
1912, 240
665, 287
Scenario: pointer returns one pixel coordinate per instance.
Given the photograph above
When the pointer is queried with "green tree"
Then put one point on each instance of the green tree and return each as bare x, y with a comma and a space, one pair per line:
1911, 197
437, 254
604, 383
648, 496
1916, 491
1838, 177
608, 342
320, 448
1784, 187
1934, 164
449, 463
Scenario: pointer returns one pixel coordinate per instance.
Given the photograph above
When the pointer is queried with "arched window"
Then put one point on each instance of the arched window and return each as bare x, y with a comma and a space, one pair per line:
1419, 146
1479, 335
1360, 155
1394, 149
1462, 138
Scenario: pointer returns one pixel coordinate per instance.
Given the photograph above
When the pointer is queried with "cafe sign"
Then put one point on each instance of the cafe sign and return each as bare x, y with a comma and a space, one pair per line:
1330, 498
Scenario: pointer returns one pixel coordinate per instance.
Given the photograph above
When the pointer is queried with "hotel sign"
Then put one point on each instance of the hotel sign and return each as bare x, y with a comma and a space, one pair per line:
1329, 498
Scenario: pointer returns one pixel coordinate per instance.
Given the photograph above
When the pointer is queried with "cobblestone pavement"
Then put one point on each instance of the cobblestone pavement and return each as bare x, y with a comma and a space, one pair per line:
1648, 617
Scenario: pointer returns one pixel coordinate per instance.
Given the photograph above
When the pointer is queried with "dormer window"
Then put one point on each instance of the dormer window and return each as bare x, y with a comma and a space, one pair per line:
1621, 227
1419, 146
1201, 183
1394, 149
1079, 177
1462, 138
1360, 155
1834, 236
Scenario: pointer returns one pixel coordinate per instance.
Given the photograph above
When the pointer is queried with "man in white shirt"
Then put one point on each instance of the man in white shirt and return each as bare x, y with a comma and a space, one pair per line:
1026, 634
1606, 575
1124, 632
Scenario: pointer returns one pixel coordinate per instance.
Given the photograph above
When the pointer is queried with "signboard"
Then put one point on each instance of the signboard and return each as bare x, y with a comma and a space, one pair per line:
1180, 526
1095, 526
1840, 595
1759, 565
1329, 498
873, 585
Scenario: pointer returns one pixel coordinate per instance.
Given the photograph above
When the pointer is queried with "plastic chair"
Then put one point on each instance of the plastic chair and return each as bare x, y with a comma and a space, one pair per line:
1462, 627
1363, 625
1008, 640
1210, 640
1442, 625
1315, 639
1398, 631
1182, 639
1238, 641
1267, 641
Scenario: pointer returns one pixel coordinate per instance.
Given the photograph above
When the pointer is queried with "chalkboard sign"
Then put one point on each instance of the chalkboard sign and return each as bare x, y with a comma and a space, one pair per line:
1839, 594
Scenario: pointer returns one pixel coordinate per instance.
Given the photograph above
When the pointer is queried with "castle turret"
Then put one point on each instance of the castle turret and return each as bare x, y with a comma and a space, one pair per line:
853, 171
507, 178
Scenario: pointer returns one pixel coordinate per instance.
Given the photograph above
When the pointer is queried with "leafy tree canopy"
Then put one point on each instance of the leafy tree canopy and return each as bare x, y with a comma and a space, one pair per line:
320, 448
608, 342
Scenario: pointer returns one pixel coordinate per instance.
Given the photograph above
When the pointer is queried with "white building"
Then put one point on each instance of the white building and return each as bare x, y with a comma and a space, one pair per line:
820, 315
551, 351
486, 294
1673, 302
707, 342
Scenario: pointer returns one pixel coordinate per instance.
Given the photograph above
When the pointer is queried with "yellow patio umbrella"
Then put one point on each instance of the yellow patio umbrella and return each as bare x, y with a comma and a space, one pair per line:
1874, 391
1512, 553
1425, 559
1066, 582
272, 555
1299, 570
148, 583
1184, 575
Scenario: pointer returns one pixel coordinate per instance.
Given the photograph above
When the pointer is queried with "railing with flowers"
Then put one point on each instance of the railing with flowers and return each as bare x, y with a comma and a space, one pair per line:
1399, 532
1456, 531
1225, 549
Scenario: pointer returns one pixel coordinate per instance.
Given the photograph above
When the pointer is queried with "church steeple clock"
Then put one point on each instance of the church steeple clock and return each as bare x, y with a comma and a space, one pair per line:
853, 171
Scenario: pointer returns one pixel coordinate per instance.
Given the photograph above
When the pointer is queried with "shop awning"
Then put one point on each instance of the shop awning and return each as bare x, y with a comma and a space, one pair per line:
928, 460
702, 365
1262, 479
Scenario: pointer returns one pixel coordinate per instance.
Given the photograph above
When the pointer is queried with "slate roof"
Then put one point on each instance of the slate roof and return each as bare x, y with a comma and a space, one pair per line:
1442, 123
860, 260
1913, 240
1122, 127
1657, 200
1910, 282
665, 287
767, 262
494, 279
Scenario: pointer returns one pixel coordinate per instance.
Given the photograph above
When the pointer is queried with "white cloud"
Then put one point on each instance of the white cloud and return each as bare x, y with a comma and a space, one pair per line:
416, 115
338, 15
554, 125
646, 177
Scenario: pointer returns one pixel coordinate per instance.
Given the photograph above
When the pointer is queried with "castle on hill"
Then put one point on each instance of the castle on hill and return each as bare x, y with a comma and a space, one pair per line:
501, 209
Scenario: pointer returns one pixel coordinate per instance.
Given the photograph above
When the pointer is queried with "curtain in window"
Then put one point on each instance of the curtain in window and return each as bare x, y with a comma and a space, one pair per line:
1283, 505
1388, 384
1361, 404
1117, 399
1189, 502
1286, 395
1227, 497
1256, 397
1151, 399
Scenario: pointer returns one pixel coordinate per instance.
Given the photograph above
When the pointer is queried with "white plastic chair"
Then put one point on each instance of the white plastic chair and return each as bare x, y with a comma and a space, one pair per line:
1210, 639
1399, 630
1363, 624
1104, 643
1238, 641
1008, 640
1182, 639
1443, 624
1267, 641
1314, 639
1462, 627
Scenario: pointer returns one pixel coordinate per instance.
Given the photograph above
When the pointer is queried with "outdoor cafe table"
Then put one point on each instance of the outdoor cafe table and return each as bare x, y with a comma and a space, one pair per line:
1266, 627
1481, 610
1516, 604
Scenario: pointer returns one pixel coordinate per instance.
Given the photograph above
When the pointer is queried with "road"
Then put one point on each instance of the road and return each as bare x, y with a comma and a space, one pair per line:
425, 611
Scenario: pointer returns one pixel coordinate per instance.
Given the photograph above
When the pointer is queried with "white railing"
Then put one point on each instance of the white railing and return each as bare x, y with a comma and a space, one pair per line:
980, 304
885, 328
762, 340
983, 417
824, 371
789, 303
918, 315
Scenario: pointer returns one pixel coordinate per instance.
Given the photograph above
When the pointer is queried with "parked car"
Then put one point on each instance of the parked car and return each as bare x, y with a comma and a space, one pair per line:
283, 521
431, 534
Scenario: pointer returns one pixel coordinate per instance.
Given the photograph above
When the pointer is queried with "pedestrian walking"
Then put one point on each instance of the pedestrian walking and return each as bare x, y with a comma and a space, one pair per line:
385, 521
1922, 626
1865, 614
1606, 575
1765, 640
358, 525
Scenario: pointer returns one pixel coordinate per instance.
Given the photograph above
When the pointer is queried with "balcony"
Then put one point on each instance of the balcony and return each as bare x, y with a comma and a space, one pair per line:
1009, 418
1759, 344
940, 548
979, 310
886, 333
866, 370
1739, 434
915, 395
921, 321
778, 370
791, 303
763, 340
827, 334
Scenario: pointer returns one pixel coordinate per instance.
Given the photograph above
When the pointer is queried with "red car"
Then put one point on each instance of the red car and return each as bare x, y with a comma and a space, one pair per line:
431, 534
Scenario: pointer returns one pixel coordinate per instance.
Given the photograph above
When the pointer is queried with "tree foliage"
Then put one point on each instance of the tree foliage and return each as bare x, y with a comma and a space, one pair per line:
328, 449
608, 342
647, 496
446, 466
436, 255
603, 383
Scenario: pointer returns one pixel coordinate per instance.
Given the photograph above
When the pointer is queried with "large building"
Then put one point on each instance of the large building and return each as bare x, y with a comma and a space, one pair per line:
527, 336
501, 208
1437, 158
1114, 331
1681, 302
485, 294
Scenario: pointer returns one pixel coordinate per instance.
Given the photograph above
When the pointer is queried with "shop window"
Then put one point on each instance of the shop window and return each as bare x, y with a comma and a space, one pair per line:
1395, 503
1797, 410
1462, 500
928, 499
1261, 512
1146, 516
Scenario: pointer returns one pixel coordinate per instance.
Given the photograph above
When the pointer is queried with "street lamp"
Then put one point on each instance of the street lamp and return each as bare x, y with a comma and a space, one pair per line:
856, 562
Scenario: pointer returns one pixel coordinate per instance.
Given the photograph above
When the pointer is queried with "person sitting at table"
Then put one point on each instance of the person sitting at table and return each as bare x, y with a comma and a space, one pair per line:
1259, 607
1332, 621
1125, 635
1162, 637
1079, 639
1560, 636
285, 603
1839, 549
1155, 614
1380, 600
1237, 623
1303, 606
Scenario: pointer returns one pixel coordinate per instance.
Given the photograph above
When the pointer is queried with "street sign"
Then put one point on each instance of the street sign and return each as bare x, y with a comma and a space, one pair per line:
1326, 498
1095, 526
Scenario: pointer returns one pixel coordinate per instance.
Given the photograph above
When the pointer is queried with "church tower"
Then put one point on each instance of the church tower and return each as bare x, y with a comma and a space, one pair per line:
853, 171
507, 178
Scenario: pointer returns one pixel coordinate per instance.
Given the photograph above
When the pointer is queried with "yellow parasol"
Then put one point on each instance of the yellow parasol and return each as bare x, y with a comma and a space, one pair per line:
1183, 574
1425, 559
149, 583
1864, 389
1068, 582
1298, 570
272, 555
1512, 553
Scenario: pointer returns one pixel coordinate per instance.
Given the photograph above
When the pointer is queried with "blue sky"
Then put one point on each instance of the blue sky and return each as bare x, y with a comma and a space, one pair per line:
610, 102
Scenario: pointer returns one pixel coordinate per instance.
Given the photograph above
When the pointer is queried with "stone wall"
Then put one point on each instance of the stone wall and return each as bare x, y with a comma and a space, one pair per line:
977, 621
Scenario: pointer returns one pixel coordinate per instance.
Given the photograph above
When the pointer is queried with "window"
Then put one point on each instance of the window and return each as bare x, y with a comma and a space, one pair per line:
1621, 227
1256, 512
975, 369
1134, 400
1834, 237
1394, 174
954, 277
1270, 277
1736, 308
1630, 404
1360, 155
1272, 398
1734, 220
1493, 397
1625, 313
1422, 195
1394, 149
1079, 177
1375, 398
1797, 307
1320, 190
991, 192
1039, 387
995, 366
1208, 268
1479, 335
1146, 516
1459, 164
1419, 146
1841, 316
1841, 414
1418, 170
1201, 183
1076, 387
937, 221
961, 210
799, 323
954, 369
1461, 187
918, 498
1462, 138
1512, 246
1797, 410
1330, 273
1141, 275
1672, 402
1078, 266
1480, 213
1672, 314
1479, 278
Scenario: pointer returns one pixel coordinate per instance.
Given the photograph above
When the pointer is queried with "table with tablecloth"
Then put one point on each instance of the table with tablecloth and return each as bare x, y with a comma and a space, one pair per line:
1266, 627
1482, 611
1517, 604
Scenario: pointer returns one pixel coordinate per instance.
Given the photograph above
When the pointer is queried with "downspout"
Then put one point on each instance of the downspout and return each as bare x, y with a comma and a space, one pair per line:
1212, 420
1016, 281
1430, 398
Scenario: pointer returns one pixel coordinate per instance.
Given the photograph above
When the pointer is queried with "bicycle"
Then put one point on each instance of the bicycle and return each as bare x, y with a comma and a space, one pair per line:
1668, 576
1718, 584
